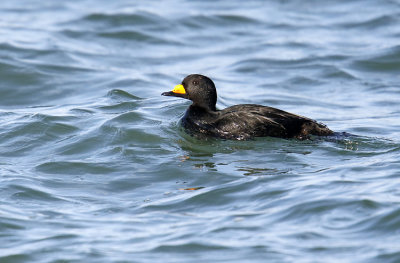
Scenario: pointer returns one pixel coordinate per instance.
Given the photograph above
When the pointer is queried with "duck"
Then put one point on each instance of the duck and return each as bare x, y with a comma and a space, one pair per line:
238, 122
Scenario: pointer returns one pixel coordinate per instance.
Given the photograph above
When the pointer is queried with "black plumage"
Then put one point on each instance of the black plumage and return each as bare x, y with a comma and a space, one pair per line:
238, 122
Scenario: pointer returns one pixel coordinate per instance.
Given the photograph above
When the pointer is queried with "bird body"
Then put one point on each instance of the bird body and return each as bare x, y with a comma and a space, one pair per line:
239, 122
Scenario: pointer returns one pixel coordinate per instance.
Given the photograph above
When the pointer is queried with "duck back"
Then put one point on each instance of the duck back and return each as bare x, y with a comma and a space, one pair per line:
246, 121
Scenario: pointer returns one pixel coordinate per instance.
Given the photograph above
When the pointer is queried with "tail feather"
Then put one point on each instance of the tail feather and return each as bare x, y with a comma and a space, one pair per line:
313, 128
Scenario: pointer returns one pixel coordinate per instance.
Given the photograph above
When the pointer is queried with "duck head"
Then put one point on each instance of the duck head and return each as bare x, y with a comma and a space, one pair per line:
197, 88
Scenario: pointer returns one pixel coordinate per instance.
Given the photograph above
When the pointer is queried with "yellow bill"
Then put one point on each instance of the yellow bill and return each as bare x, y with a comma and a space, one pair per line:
179, 89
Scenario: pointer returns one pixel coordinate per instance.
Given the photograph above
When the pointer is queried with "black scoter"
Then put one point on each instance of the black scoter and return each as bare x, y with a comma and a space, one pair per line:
239, 122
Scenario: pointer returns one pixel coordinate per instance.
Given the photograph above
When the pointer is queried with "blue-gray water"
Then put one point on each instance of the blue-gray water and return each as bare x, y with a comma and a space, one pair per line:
94, 166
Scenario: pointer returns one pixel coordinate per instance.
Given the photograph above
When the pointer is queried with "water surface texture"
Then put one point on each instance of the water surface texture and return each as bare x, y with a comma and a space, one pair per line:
95, 168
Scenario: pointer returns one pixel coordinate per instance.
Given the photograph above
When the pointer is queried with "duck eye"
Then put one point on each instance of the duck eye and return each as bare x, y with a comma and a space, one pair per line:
195, 82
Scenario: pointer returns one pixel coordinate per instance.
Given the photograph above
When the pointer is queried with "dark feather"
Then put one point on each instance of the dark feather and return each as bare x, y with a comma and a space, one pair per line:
243, 121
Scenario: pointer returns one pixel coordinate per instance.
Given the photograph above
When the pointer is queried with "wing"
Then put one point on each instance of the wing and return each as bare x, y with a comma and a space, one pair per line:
257, 121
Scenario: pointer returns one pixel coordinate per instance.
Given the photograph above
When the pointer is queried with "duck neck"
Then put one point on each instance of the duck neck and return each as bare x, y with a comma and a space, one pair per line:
204, 107
198, 112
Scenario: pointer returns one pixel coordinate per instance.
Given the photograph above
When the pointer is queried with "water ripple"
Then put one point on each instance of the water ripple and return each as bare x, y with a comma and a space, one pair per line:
94, 166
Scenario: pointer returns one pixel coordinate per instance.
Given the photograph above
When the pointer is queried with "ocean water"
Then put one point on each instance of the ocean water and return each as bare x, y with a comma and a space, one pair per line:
94, 166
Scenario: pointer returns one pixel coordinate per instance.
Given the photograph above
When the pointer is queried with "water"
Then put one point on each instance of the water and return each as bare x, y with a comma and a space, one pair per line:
95, 168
